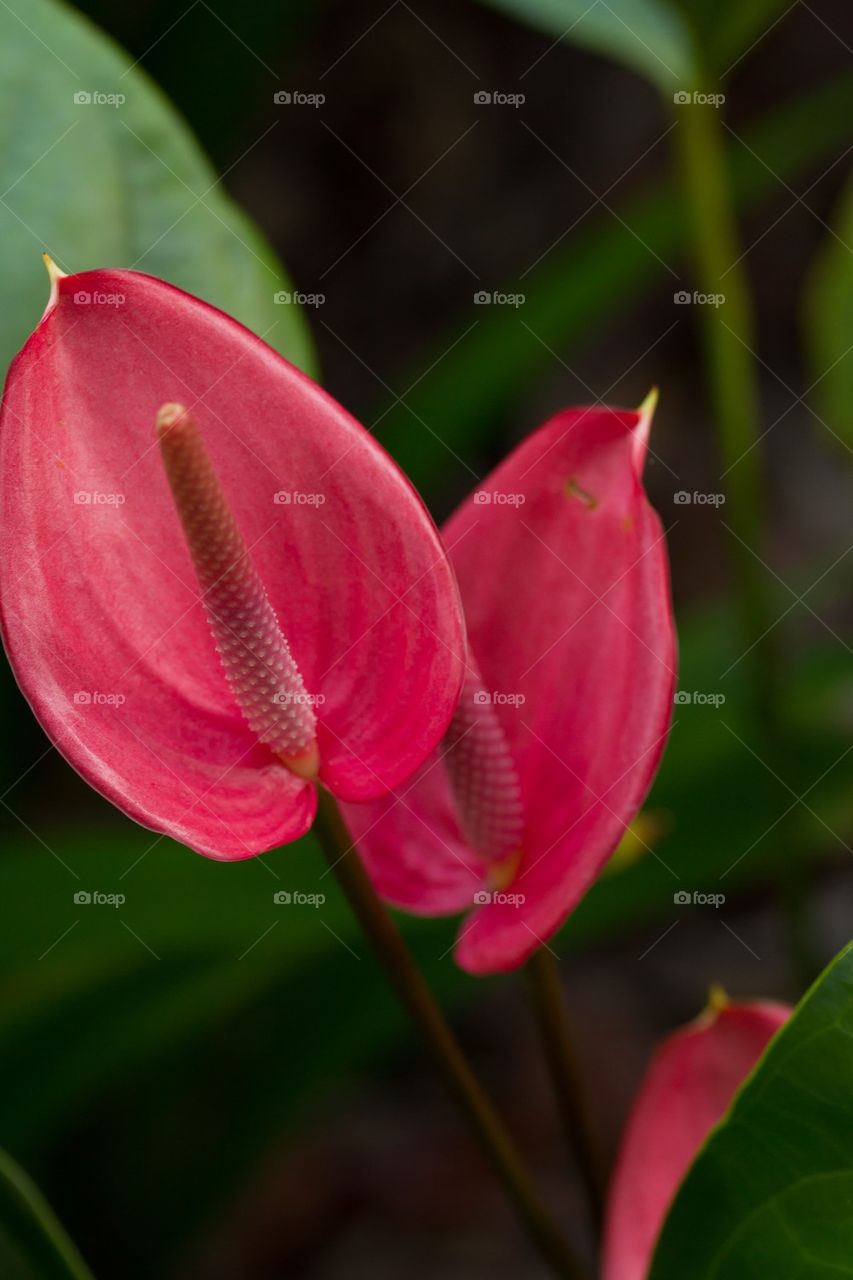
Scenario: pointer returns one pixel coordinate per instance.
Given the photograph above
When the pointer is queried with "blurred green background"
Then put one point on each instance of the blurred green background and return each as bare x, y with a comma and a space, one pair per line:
207, 1084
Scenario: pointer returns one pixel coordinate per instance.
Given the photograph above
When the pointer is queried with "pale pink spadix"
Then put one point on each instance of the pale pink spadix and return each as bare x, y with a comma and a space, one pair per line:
287, 539
484, 779
259, 666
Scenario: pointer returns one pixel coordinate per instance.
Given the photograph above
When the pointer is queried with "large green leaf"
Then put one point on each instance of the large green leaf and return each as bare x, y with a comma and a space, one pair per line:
647, 35
114, 185
771, 1193
829, 324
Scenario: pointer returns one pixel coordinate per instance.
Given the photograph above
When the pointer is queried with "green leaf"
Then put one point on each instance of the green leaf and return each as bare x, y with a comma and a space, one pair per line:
122, 185
603, 268
33, 1242
728, 30
771, 1192
647, 35
829, 324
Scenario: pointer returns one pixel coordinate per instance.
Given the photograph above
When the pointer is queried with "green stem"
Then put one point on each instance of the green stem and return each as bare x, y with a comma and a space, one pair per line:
31, 1222
422, 1008
727, 339
549, 1005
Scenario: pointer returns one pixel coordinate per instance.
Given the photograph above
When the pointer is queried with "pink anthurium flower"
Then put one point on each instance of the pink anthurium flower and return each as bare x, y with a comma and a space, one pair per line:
567, 699
257, 518
688, 1088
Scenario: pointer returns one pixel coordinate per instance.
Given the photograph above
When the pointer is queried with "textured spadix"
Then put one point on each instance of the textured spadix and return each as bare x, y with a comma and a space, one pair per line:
563, 572
482, 775
688, 1088
103, 616
259, 666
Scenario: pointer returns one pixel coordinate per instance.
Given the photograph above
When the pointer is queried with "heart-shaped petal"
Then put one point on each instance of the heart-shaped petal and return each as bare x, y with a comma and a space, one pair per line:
563, 572
102, 616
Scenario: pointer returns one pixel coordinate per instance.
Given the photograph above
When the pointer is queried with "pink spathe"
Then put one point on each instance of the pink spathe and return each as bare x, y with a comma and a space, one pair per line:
688, 1088
563, 572
103, 618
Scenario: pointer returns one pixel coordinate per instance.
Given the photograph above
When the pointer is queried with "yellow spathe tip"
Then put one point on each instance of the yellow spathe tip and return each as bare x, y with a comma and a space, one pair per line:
643, 428
718, 999
717, 1003
647, 408
55, 274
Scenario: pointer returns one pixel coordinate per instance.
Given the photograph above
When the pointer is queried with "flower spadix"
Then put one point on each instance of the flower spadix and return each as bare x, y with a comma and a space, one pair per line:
689, 1086
567, 697
266, 682
217, 589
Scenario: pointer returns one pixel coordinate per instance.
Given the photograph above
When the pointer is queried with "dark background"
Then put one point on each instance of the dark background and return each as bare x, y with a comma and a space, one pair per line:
374, 1175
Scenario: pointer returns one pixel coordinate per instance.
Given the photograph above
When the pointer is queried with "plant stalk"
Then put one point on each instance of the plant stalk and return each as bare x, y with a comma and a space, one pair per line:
549, 1005
417, 999
728, 341
30, 1221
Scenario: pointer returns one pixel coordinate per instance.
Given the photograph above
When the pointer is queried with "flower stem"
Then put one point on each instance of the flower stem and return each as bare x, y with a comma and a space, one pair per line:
727, 339
29, 1219
422, 1008
549, 1005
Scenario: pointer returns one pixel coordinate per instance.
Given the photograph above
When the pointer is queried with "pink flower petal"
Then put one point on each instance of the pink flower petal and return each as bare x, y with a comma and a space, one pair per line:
412, 845
688, 1088
563, 572
100, 595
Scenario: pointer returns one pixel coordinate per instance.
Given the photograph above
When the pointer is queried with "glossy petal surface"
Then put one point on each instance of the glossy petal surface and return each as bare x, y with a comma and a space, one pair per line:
563, 572
688, 1088
100, 599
